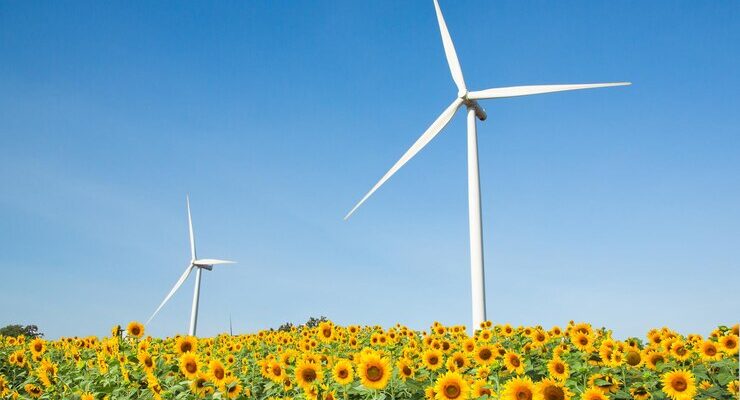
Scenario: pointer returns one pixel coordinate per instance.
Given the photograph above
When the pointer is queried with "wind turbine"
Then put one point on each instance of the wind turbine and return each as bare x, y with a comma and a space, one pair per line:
195, 264
470, 101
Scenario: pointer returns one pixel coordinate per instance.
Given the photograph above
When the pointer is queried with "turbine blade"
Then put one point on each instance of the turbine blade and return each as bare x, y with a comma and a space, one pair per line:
190, 228
450, 52
514, 91
425, 138
212, 261
179, 283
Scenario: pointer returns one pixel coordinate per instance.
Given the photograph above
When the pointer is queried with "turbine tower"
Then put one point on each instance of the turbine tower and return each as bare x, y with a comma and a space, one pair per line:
199, 265
474, 110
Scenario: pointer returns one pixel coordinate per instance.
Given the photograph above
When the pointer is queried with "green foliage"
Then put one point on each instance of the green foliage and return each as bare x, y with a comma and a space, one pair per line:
29, 331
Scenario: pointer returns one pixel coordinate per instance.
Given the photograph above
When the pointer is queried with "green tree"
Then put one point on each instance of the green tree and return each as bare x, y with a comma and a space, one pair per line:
29, 331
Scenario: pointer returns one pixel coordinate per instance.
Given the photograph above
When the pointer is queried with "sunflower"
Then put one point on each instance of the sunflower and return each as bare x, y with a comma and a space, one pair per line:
468, 345
87, 396
729, 344
432, 359
37, 346
519, 389
506, 330
640, 393
216, 372
146, 360
135, 329
633, 358
198, 385
342, 372
374, 371
189, 365
605, 383
451, 386
3, 386
558, 369
550, 389
326, 331
593, 394
653, 358
484, 354
185, 344
457, 361
481, 388
679, 351
33, 390
405, 368
709, 351
734, 386
307, 373
513, 363
679, 385
582, 341
231, 387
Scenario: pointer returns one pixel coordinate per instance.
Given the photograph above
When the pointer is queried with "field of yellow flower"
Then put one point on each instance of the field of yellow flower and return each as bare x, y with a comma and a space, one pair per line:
329, 362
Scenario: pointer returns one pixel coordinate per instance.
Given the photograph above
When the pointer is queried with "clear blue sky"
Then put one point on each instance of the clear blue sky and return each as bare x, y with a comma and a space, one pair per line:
616, 206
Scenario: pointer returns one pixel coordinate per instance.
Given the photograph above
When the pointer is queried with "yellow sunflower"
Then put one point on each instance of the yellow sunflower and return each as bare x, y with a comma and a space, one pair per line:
679, 351
146, 360
558, 369
519, 389
640, 393
189, 365
231, 387
484, 354
457, 361
582, 341
709, 351
481, 388
276, 372
185, 344
513, 363
342, 372
199, 385
432, 359
550, 389
37, 346
451, 386
632, 357
405, 368
307, 373
654, 358
729, 344
33, 390
326, 331
679, 385
593, 394
216, 372
135, 329
374, 371
605, 383
734, 386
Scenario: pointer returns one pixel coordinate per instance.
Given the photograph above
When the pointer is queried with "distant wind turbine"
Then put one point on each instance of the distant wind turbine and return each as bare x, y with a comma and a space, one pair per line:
469, 100
197, 264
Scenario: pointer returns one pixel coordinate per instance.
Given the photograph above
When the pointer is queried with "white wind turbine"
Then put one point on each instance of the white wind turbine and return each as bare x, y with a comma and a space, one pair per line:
199, 265
469, 100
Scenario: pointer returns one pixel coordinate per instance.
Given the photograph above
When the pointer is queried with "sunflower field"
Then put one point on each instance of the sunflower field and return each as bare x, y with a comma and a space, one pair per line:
331, 362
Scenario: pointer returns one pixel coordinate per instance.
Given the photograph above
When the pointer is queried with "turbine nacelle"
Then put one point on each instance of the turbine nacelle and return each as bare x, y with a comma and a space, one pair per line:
480, 113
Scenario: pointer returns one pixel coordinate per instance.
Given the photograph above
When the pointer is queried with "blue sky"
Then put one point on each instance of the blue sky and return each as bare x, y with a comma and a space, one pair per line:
616, 206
